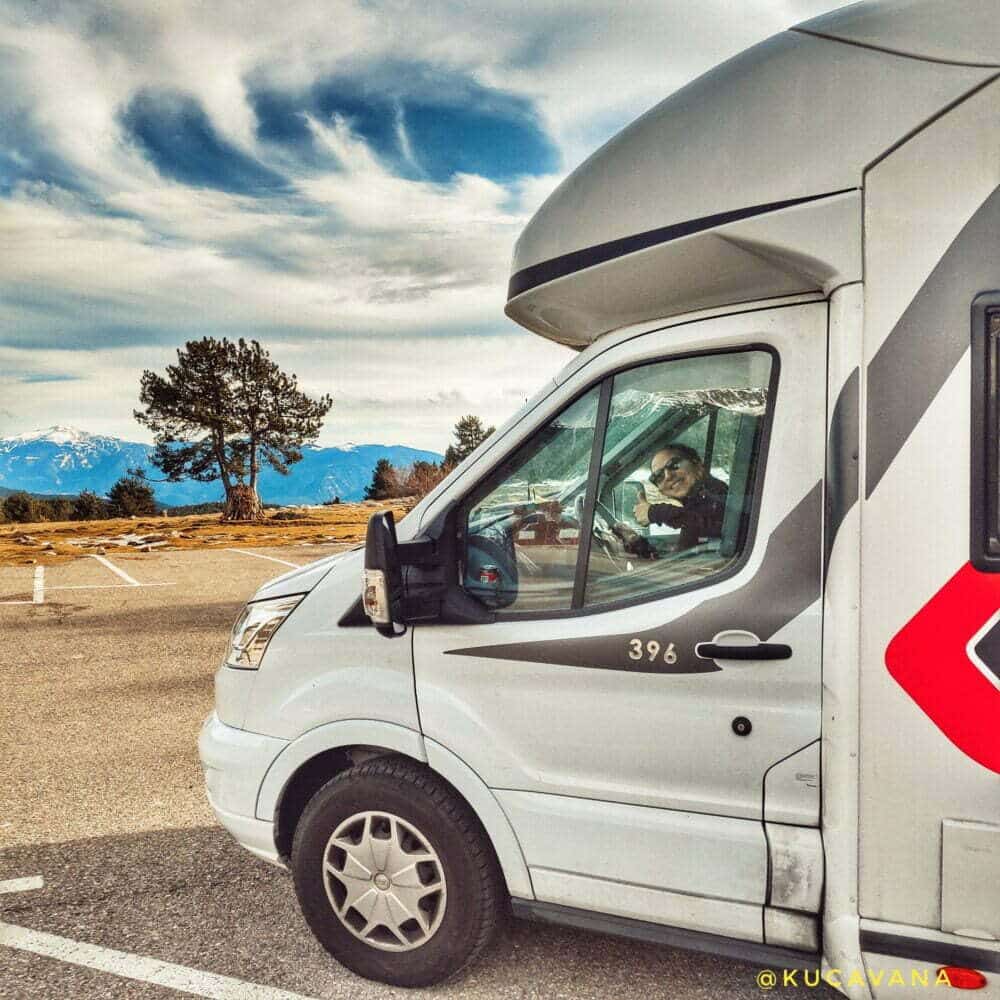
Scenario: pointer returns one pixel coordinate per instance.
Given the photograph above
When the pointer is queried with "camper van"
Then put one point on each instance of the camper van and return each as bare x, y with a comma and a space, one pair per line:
703, 645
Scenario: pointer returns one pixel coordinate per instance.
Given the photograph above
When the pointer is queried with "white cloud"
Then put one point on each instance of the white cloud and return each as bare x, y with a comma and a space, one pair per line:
387, 291
446, 378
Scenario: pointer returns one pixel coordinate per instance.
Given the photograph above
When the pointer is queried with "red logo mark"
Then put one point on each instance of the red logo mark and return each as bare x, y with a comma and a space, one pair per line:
934, 659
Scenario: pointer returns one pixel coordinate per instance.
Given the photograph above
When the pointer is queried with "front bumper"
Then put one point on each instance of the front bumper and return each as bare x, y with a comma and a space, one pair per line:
235, 762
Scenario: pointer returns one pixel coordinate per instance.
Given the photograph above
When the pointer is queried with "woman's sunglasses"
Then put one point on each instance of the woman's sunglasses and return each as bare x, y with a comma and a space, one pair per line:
672, 466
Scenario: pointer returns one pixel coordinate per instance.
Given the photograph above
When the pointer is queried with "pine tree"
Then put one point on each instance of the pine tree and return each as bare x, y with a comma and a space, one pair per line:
385, 481
224, 410
131, 496
89, 506
469, 435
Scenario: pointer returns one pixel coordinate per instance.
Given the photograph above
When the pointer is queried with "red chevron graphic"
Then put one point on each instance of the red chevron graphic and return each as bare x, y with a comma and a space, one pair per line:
928, 658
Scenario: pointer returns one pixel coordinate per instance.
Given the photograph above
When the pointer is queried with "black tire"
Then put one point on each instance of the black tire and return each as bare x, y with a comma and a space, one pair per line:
475, 893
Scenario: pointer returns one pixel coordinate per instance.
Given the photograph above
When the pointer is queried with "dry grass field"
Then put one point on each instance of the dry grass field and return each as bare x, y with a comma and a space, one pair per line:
55, 542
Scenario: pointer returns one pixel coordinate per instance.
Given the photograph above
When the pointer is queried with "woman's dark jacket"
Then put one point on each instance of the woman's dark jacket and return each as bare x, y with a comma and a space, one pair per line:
700, 517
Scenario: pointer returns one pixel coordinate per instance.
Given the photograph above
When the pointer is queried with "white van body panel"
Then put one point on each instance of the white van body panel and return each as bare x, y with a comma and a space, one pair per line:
791, 788
841, 645
699, 872
915, 523
797, 870
315, 671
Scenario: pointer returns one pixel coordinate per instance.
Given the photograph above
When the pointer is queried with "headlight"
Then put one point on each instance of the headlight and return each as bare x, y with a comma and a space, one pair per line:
254, 628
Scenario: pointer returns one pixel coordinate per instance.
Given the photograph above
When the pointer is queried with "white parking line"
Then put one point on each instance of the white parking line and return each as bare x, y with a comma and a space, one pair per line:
22, 884
114, 569
257, 555
106, 586
139, 967
37, 589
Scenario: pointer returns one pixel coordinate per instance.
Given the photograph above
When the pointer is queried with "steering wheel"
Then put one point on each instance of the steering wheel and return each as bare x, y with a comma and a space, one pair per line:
606, 511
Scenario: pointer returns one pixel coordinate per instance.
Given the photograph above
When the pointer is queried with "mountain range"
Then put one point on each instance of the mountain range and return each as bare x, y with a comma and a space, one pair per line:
65, 460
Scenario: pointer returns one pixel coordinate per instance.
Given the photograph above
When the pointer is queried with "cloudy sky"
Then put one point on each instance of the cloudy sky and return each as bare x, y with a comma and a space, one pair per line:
343, 181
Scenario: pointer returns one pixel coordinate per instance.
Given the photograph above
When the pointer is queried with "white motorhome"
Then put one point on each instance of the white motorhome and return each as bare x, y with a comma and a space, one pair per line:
703, 645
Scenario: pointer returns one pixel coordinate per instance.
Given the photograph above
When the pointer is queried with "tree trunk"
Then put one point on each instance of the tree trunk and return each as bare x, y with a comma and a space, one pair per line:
243, 504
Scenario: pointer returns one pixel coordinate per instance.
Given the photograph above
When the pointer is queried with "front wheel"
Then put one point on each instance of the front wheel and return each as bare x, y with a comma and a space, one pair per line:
394, 874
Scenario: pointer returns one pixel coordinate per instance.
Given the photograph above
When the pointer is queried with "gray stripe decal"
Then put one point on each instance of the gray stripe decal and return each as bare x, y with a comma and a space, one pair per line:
933, 952
787, 582
842, 459
929, 339
578, 260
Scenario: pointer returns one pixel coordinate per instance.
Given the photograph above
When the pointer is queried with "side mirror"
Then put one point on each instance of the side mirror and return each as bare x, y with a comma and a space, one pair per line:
411, 582
382, 593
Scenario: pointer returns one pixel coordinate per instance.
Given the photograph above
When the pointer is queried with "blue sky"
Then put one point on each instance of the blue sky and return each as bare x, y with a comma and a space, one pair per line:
342, 181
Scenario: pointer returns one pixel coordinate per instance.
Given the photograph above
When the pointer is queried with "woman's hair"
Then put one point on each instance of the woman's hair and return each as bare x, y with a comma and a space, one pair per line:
684, 451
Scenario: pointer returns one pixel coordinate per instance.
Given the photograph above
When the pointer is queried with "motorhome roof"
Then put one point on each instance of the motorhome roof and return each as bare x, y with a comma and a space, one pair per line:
745, 184
959, 31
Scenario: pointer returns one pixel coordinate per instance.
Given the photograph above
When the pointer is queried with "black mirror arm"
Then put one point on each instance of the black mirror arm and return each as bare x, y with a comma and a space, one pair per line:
422, 551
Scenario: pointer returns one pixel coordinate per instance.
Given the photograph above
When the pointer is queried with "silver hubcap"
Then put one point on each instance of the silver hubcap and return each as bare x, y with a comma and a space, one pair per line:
384, 881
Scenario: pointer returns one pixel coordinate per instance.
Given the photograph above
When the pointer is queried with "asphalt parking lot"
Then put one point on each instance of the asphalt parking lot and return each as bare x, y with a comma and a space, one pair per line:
115, 880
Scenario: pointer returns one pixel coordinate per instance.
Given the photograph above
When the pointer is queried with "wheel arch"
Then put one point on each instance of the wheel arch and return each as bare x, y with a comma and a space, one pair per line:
308, 762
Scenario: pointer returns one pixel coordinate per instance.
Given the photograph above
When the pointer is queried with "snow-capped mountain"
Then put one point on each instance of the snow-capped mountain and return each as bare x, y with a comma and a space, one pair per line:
68, 460
57, 434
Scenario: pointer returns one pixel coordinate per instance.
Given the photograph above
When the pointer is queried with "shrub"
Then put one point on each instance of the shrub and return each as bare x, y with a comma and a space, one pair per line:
21, 507
57, 509
88, 506
420, 478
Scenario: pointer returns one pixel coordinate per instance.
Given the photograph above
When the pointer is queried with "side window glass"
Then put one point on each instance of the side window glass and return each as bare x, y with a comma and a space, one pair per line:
985, 541
522, 528
678, 470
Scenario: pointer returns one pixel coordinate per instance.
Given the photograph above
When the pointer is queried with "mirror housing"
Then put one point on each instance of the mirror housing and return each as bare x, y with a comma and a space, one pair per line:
382, 588
409, 582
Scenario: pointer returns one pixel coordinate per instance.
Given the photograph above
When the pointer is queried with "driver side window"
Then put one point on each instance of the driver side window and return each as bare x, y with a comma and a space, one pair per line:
523, 527
677, 476
643, 486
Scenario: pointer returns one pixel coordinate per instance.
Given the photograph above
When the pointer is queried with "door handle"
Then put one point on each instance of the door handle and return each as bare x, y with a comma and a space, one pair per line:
760, 651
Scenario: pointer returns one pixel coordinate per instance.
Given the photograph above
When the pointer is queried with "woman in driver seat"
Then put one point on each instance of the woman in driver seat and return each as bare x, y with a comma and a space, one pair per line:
696, 501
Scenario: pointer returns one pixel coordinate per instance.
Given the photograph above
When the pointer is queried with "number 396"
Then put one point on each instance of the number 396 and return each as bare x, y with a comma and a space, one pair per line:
651, 650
